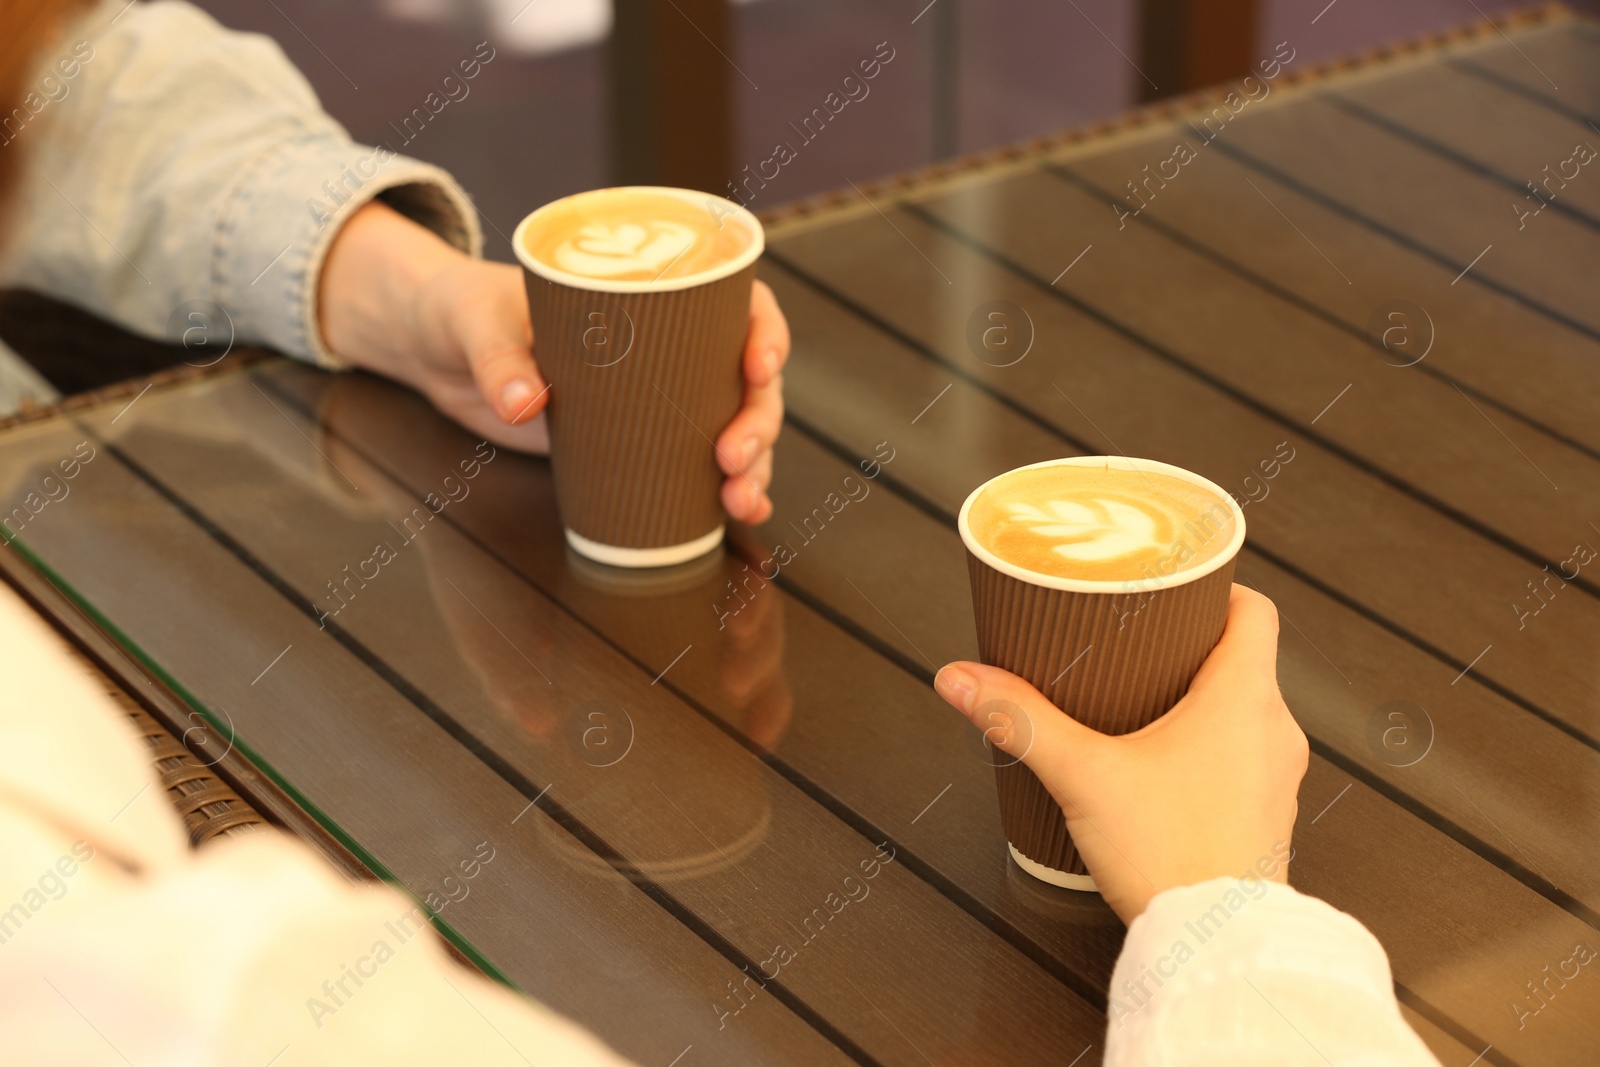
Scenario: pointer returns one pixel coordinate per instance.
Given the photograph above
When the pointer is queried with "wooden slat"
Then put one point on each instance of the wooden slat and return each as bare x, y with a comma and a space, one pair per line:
1340, 666
381, 431
1401, 892
1387, 544
1492, 767
887, 526
581, 939
1447, 1047
720, 837
1344, 528
1400, 858
1416, 428
126, 680
1440, 207
779, 674
1556, 370
1556, 65
1480, 123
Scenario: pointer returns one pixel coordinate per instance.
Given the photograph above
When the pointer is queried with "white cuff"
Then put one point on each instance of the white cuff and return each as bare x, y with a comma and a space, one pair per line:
1248, 971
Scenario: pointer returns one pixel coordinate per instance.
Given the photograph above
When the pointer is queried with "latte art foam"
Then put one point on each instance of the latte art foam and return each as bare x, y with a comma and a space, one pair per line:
1099, 523
634, 235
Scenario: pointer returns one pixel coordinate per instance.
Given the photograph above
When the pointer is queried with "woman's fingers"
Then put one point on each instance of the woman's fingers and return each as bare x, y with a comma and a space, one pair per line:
488, 322
508, 379
1248, 651
766, 347
1203, 792
1017, 719
744, 495
744, 447
754, 429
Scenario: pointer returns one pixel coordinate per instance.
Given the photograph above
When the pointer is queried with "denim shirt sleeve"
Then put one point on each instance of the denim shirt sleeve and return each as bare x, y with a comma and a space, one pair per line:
181, 162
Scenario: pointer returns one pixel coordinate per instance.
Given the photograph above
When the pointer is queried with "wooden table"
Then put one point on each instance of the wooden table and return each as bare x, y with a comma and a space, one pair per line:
671, 801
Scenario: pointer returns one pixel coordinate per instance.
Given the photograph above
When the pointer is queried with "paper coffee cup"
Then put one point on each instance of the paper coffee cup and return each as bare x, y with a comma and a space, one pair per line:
643, 374
1115, 655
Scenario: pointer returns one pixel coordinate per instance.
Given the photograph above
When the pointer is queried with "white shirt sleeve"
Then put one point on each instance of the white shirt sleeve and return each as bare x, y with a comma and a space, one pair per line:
120, 945
1250, 973
171, 162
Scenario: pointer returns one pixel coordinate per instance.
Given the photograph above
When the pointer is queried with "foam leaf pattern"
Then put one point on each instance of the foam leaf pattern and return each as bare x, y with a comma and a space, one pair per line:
605, 250
1092, 530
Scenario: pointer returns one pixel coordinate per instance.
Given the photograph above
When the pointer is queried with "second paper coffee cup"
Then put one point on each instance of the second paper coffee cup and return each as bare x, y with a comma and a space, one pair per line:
640, 302
1104, 582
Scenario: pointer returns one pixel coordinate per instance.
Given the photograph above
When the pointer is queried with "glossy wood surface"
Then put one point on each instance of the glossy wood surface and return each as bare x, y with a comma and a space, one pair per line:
688, 774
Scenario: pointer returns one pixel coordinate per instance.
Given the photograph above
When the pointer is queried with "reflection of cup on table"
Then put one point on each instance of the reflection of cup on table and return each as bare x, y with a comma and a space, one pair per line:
657, 584
737, 663
661, 837
1096, 923
640, 302
1103, 581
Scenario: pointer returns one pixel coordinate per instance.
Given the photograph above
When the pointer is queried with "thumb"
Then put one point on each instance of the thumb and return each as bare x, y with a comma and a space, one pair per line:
488, 316
507, 377
1246, 657
1017, 719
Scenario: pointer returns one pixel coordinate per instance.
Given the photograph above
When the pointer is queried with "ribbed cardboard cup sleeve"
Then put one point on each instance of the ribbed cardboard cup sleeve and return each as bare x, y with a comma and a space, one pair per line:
641, 384
1143, 650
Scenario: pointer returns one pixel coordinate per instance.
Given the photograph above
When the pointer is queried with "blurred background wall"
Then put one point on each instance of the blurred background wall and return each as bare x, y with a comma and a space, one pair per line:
579, 93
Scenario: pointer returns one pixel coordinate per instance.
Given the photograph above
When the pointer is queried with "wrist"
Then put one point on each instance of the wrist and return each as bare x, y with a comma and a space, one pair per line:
373, 304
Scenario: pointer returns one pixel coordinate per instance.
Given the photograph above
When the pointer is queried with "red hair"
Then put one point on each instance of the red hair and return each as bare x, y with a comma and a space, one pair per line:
27, 27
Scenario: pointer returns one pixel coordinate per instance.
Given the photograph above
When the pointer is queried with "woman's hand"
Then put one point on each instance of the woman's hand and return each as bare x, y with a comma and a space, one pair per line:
1207, 790
398, 301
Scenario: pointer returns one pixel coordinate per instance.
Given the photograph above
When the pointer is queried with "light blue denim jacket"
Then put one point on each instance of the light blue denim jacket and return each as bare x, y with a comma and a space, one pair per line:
169, 161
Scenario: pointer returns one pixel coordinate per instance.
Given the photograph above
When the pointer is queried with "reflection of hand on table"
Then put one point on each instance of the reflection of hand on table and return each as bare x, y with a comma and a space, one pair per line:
751, 673
397, 300
518, 687
511, 682
732, 663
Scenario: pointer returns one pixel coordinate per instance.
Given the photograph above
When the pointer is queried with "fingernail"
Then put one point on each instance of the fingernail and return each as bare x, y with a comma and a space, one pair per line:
769, 360
747, 454
956, 686
515, 398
